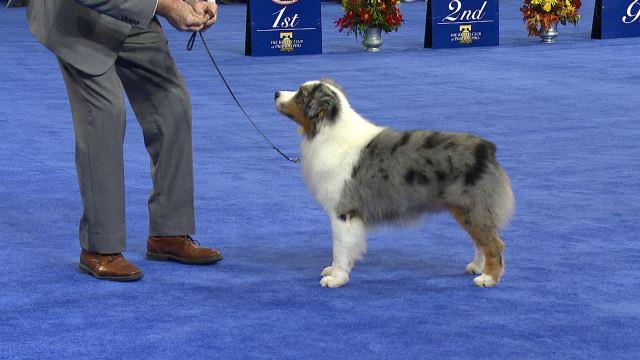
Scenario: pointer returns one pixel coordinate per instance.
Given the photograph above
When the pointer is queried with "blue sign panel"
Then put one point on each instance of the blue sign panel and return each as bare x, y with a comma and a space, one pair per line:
461, 23
283, 28
616, 19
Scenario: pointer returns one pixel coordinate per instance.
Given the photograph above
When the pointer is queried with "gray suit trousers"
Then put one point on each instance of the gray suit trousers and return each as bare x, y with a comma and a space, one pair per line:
146, 72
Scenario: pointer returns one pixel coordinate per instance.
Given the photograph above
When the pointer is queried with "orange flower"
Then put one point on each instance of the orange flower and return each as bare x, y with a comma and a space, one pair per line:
365, 15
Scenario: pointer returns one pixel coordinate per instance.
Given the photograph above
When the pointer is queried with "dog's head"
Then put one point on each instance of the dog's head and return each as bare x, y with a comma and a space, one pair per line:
316, 104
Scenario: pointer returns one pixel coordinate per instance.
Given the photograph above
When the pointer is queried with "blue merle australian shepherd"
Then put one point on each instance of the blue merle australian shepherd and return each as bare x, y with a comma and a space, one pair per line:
365, 175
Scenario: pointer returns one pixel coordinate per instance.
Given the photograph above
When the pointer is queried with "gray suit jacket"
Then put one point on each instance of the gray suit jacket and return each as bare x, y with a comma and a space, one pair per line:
87, 34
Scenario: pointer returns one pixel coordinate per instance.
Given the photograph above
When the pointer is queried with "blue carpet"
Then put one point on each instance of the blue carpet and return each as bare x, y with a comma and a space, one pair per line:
564, 117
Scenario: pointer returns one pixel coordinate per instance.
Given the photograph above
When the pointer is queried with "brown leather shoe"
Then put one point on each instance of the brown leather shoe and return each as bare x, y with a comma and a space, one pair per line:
181, 249
108, 267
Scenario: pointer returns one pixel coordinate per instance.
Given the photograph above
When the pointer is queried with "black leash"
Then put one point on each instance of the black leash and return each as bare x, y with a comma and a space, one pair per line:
190, 44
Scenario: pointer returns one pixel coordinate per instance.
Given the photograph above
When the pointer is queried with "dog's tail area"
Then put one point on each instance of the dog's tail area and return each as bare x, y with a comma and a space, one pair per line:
502, 202
493, 201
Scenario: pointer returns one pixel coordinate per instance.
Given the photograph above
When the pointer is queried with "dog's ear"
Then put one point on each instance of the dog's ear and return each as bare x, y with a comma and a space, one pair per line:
322, 104
334, 84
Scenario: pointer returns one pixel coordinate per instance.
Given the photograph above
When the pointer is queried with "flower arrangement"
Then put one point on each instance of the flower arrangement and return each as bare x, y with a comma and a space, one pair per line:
541, 14
360, 15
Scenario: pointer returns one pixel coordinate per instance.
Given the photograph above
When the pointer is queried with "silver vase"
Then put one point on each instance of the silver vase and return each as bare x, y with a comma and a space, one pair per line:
372, 39
549, 34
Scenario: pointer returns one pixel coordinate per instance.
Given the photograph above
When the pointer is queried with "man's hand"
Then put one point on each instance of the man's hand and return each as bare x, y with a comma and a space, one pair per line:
208, 9
182, 16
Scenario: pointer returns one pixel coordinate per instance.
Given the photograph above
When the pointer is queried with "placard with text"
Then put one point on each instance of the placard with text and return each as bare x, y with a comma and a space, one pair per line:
616, 19
283, 28
461, 23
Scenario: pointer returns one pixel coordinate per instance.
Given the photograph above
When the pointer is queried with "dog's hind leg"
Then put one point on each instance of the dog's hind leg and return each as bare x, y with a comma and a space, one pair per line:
484, 233
349, 245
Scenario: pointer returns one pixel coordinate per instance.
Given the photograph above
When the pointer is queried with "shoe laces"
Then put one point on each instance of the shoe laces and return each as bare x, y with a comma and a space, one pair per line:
109, 258
193, 241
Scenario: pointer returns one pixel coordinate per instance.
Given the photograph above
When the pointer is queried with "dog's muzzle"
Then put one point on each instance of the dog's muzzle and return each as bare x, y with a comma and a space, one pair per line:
282, 97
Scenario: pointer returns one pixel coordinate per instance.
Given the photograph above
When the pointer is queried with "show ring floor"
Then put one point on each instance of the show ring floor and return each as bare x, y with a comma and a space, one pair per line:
565, 121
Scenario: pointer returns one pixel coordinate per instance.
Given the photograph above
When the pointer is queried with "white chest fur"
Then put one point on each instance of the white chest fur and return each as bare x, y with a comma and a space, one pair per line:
328, 158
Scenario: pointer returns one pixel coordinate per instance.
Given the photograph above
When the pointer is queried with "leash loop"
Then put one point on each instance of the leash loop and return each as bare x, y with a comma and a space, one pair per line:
191, 41
190, 45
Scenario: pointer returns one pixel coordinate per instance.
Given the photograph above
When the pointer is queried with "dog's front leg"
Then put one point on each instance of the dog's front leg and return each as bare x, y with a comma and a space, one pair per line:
349, 244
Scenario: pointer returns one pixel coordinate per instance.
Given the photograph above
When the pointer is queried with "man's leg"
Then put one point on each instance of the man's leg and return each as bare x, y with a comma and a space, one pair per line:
97, 106
161, 102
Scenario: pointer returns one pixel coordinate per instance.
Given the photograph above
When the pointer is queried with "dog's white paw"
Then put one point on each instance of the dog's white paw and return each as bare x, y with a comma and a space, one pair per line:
326, 271
473, 268
336, 279
485, 281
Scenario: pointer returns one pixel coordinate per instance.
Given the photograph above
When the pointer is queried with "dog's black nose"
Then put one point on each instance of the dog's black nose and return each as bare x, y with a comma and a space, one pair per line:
277, 94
